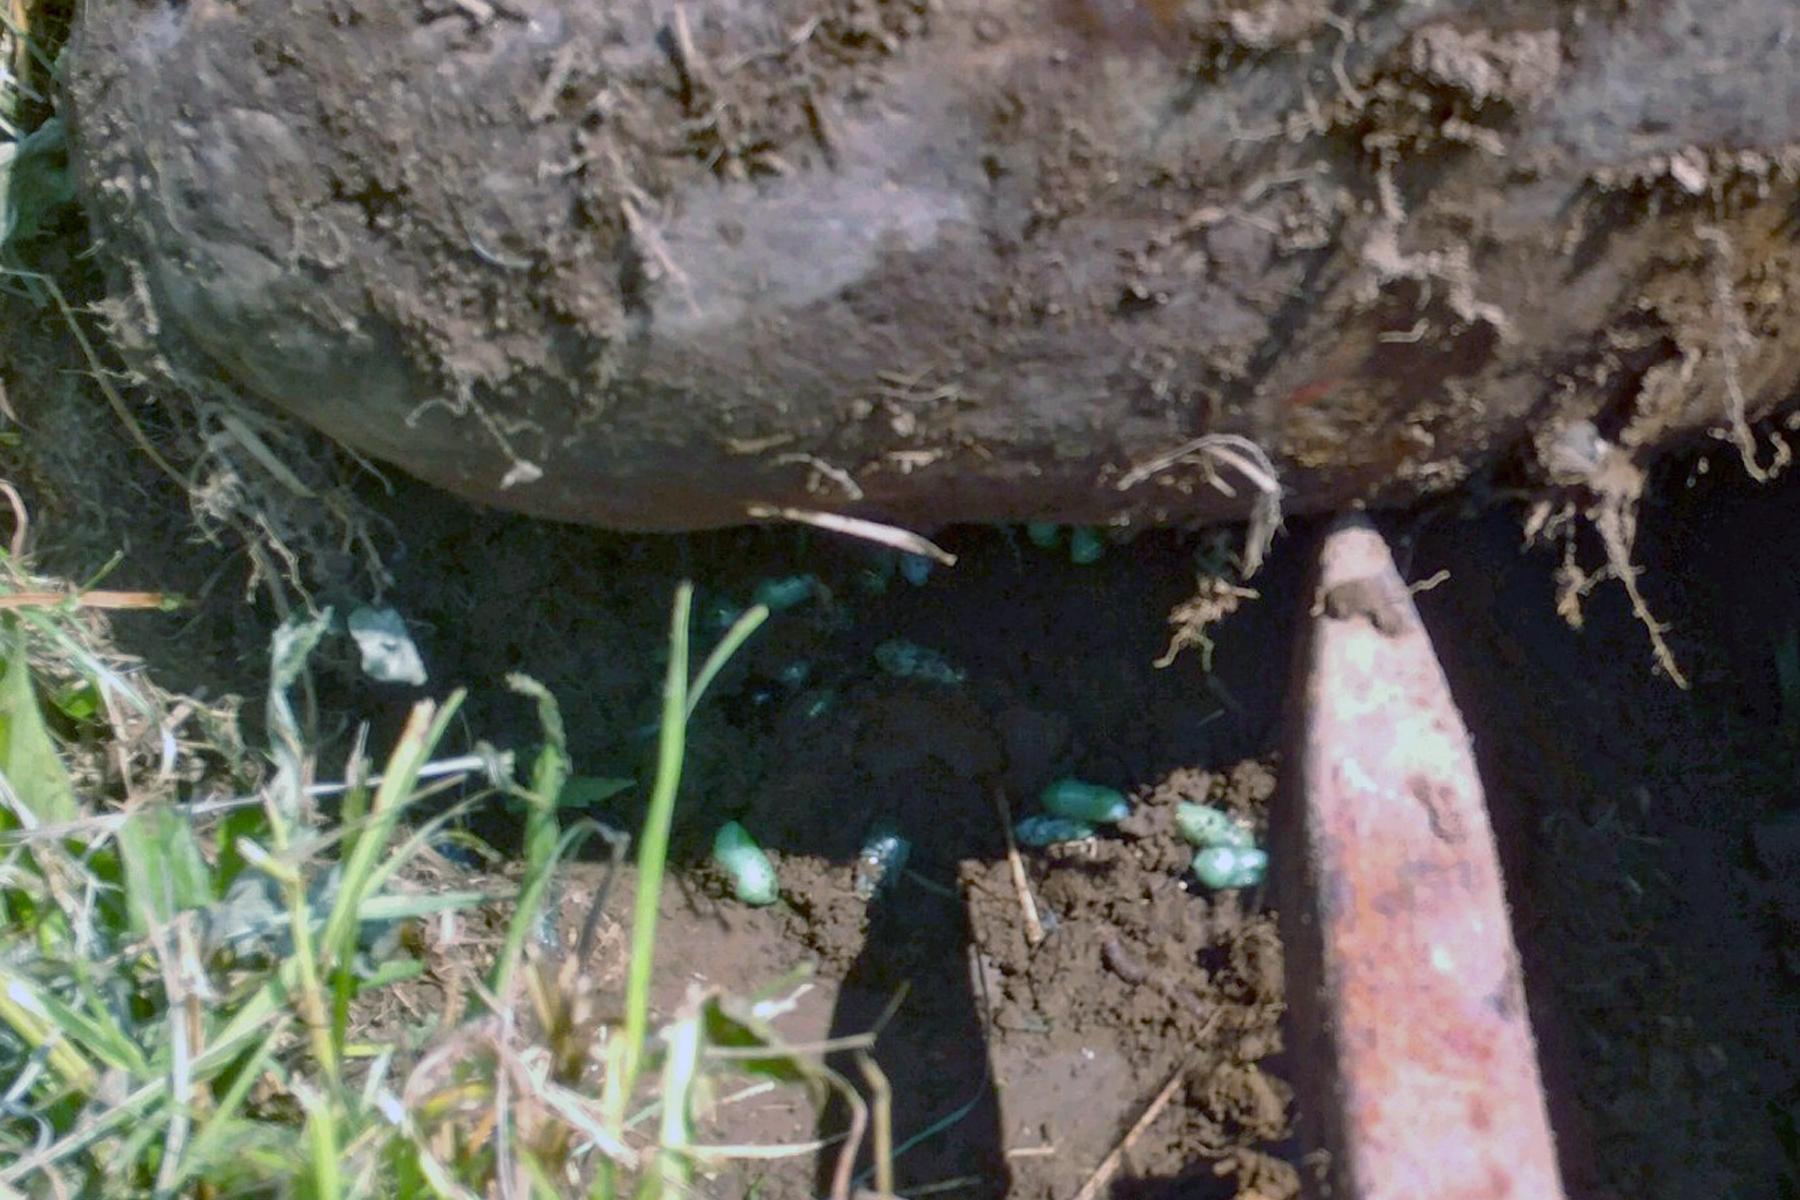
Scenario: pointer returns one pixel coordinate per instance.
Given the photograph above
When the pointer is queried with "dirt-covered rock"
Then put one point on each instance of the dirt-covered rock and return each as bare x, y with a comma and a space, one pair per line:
653, 265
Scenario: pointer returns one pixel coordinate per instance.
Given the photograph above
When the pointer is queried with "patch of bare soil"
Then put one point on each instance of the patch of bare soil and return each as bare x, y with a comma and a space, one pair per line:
1015, 1070
1648, 832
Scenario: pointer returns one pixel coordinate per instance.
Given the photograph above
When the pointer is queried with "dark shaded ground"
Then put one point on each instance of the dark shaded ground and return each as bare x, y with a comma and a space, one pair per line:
1649, 833
1650, 837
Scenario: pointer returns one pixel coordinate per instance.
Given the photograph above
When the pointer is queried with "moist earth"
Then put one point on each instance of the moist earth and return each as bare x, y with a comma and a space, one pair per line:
1648, 832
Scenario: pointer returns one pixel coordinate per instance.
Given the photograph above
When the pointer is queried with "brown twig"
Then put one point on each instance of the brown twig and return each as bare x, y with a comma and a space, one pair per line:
1109, 1166
859, 1125
93, 599
1034, 928
883, 1106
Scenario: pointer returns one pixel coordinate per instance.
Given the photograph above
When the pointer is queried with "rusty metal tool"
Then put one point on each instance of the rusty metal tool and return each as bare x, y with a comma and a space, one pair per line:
1411, 1039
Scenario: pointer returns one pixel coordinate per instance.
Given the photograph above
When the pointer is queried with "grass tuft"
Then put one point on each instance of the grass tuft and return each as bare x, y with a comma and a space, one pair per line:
197, 996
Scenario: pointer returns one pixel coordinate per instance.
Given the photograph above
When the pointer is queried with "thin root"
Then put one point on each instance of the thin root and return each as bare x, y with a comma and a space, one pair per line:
893, 536
1734, 335
1246, 458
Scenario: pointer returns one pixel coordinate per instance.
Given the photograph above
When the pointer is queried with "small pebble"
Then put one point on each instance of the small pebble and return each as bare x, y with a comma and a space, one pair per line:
779, 595
389, 654
793, 675
1122, 962
879, 863
817, 703
909, 660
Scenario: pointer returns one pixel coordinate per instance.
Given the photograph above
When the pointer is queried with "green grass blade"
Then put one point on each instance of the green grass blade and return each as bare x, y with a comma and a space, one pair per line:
220, 1124
28, 758
165, 872
266, 1004
548, 776
653, 846
421, 837
412, 908
102, 1037
424, 729
674, 1172
734, 639
396, 971
269, 998
22, 1008
322, 1147
326, 1041
103, 676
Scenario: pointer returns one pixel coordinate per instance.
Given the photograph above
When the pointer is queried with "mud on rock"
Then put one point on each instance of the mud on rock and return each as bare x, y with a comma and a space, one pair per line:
943, 260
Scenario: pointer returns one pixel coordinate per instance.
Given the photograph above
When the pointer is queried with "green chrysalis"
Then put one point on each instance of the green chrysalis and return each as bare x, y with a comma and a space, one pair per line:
1204, 826
751, 873
1041, 830
1223, 867
1085, 802
1085, 546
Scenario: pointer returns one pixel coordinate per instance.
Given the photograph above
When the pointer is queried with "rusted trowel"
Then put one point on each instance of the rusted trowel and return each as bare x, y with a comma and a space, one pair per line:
1411, 1037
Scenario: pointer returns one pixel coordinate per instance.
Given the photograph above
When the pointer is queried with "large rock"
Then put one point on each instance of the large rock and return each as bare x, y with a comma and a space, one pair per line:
650, 264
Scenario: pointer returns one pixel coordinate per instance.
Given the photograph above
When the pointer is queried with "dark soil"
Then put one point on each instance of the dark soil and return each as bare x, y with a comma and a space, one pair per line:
1649, 833
1044, 1058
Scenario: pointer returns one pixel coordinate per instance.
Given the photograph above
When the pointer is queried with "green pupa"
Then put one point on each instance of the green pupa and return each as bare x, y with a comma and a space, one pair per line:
1223, 867
785, 592
1045, 535
751, 873
1086, 546
880, 861
1203, 825
1080, 801
909, 660
1041, 830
